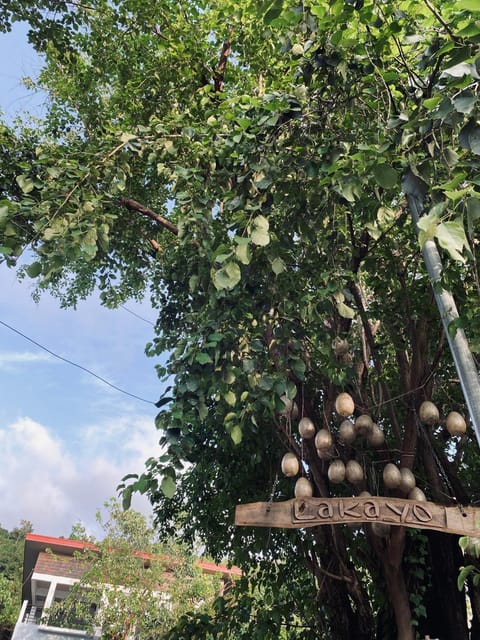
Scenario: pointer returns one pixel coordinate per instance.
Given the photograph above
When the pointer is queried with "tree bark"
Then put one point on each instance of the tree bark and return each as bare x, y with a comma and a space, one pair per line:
390, 553
338, 586
446, 609
398, 596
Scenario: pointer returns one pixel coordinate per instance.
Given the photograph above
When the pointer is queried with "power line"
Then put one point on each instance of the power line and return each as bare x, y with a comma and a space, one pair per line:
74, 364
122, 306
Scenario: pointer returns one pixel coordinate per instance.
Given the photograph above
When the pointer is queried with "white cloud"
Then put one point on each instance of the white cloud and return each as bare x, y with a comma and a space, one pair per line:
9, 358
55, 483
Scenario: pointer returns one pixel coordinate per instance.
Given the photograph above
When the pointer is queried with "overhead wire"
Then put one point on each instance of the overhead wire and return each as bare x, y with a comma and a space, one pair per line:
122, 306
74, 364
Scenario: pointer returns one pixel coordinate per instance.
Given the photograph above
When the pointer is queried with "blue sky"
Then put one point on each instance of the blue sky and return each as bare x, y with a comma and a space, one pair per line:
66, 439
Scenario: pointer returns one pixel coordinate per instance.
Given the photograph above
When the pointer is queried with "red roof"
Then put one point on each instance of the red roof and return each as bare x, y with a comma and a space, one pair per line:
66, 543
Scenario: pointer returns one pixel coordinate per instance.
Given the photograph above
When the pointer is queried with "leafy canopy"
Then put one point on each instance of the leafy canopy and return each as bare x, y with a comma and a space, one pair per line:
242, 165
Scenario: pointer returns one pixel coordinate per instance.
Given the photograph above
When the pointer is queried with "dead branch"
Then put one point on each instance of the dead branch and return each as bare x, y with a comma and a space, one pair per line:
133, 205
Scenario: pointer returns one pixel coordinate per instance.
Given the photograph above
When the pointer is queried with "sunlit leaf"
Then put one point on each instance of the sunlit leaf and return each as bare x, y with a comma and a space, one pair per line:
230, 398
260, 234
278, 266
345, 311
228, 276
168, 487
25, 183
236, 434
451, 236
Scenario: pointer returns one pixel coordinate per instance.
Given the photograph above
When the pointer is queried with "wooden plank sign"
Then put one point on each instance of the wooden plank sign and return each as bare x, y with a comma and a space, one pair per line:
312, 512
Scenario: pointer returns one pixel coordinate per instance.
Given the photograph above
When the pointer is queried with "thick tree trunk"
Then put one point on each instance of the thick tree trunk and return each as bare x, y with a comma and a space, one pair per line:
390, 553
446, 609
350, 610
398, 596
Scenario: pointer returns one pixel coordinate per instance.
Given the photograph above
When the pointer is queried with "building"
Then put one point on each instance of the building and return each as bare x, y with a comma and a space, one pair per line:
51, 567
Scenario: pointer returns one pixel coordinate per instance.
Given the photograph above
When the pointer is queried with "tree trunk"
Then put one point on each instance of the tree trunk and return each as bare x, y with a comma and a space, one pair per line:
398, 596
390, 553
351, 615
446, 609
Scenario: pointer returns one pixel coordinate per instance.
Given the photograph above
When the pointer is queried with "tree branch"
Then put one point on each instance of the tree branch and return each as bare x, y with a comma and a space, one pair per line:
444, 24
219, 74
133, 205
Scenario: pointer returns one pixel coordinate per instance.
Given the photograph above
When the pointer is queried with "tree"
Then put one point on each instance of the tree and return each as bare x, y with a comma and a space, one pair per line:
11, 565
133, 584
8, 606
242, 165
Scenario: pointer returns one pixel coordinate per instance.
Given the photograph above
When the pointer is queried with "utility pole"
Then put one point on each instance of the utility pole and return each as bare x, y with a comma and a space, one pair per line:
415, 190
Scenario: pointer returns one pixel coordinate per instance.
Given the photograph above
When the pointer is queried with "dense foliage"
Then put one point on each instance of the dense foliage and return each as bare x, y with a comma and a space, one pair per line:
11, 565
242, 163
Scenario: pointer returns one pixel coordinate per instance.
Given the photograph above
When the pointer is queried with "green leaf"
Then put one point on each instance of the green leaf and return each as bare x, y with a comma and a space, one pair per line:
248, 365
451, 236
458, 70
193, 383
6, 251
168, 487
127, 498
451, 157
236, 434
385, 216
202, 410
126, 137
260, 235
431, 103
265, 383
278, 266
299, 367
243, 253
34, 269
473, 213
230, 398
227, 277
345, 311
385, 175
373, 230
469, 137
26, 184
465, 103
463, 575
291, 389
274, 10
467, 5
428, 223
349, 190
203, 358
54, 172
458, 195
49, 233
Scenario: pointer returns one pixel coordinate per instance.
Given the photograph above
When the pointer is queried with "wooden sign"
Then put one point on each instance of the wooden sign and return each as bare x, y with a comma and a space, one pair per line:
300, 513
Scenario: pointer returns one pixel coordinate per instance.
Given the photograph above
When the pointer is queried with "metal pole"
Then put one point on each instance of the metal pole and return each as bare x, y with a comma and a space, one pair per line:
415, 190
